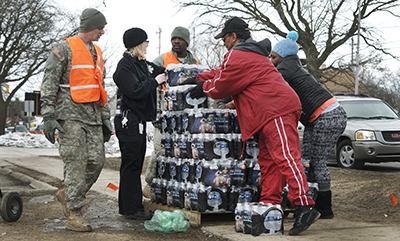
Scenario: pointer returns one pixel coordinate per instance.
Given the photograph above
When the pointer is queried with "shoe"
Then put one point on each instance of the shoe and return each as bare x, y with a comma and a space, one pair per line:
76, 222
147, 191
140, 216
60, 195
304, 217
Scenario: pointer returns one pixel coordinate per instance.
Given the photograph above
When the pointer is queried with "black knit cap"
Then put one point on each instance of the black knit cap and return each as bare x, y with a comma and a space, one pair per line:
133, 37
234, 24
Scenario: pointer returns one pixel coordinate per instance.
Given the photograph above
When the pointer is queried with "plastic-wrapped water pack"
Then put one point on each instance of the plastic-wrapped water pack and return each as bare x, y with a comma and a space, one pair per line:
167, 222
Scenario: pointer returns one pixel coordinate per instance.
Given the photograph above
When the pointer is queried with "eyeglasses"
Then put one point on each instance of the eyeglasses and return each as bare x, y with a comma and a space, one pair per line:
225, 37
147, 41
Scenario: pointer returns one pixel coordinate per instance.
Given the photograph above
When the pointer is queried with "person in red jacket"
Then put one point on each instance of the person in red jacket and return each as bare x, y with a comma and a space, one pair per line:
266, 105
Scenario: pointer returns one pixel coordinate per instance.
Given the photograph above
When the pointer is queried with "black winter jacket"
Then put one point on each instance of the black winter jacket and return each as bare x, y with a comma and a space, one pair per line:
312, 95
137, 89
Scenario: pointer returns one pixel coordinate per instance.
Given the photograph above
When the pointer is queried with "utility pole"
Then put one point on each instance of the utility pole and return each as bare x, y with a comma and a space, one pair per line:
159, 40
358, 48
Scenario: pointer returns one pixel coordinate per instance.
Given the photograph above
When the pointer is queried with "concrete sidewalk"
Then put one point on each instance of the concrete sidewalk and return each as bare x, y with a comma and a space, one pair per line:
47, 161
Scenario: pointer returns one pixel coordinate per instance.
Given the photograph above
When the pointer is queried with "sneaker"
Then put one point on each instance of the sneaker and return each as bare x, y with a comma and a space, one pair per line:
304, 217
140, 216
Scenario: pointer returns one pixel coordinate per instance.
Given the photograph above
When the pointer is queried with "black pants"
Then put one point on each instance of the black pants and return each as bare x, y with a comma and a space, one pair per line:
130, 187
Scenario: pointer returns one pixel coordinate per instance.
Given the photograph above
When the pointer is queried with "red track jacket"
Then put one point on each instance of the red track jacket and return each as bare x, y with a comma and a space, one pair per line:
259, 91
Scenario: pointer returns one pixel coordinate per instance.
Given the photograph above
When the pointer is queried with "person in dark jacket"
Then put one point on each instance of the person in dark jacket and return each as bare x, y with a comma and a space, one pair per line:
265, 105
323, 117
137, 80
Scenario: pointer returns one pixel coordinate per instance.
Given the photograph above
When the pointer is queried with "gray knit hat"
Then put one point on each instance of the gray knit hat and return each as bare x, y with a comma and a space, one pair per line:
90, 20
182, 33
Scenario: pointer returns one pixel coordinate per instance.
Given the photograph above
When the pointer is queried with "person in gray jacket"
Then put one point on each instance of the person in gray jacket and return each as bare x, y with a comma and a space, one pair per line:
323, 117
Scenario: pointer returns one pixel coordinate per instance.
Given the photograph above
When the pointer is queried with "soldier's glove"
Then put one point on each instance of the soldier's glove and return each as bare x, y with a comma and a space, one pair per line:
189, 81
197, 92
106, 130
50, 126
157, 70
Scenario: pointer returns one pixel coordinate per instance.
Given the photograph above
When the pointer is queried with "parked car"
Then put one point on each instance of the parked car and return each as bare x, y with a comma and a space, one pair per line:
372, 133
37, 130
9, 129
21, 128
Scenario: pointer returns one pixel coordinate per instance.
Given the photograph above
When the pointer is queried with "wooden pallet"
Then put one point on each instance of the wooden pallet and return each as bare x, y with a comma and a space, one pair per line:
195, 218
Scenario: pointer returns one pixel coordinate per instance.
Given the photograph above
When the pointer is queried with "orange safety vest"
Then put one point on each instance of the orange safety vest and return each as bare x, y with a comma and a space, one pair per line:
85, 78
170, 58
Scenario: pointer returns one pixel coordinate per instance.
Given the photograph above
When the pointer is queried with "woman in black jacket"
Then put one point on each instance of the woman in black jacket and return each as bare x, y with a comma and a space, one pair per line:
137, 80
322, 116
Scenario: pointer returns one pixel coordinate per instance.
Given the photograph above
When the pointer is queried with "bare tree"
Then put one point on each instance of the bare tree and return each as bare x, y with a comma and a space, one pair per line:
209, 51
323, 26
385, 86
28, 30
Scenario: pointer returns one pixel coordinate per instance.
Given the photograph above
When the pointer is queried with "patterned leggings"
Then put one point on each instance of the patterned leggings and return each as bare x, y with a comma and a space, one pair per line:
319, 139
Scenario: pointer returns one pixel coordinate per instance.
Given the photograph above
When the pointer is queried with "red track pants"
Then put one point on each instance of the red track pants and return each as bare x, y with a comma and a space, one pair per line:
280, 160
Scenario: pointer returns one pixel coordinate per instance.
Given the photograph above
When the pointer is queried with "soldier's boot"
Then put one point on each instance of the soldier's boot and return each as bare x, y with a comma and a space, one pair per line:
76, 222
147, 191
60, 195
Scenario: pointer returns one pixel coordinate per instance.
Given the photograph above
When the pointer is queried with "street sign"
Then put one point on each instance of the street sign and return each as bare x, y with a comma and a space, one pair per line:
29, 106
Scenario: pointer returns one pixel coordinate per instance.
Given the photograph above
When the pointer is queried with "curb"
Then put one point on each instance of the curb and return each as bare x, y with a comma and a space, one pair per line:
38, 187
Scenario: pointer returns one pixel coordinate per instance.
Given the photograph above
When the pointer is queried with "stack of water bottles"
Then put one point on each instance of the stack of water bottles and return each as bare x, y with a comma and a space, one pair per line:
258, 218
204, 165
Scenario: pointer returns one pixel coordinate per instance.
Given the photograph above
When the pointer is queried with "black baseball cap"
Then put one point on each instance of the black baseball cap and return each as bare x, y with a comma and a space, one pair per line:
234, 24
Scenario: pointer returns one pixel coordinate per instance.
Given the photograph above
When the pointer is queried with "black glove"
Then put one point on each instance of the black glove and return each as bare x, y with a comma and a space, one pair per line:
197, 92
106, 130
189, 81
157, 70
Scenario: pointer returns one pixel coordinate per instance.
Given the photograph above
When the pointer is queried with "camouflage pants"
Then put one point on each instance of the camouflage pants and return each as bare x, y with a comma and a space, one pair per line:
319, 139
82, 151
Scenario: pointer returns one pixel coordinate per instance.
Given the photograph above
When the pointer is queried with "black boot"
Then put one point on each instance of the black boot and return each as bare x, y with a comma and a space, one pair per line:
305, 216
324, 204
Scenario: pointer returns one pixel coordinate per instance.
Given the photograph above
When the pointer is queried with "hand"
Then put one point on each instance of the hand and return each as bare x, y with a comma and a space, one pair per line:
197, 92
106, 130
189, 81
157, 70
161, 78
229, 105
49, 128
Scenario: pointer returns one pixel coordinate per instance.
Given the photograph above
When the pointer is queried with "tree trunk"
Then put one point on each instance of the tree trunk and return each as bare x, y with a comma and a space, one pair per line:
3, 116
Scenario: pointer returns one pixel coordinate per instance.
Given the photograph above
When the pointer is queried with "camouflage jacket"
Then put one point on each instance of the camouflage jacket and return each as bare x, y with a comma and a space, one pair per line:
57, 100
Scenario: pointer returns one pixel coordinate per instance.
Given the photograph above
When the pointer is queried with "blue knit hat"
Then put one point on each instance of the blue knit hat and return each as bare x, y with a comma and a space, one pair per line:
287, 46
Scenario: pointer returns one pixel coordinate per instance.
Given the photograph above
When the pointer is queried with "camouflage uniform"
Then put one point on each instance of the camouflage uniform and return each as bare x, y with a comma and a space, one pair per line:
81, 145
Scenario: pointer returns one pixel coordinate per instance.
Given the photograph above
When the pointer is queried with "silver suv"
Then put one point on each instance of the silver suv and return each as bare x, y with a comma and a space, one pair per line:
372, 133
